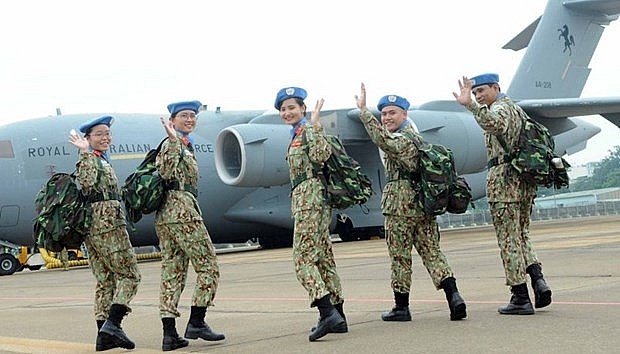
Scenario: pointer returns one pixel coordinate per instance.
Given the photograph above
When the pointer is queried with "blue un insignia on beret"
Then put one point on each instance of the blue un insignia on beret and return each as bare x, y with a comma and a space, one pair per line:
393, 100
176, 107
87, 126
484, 79
289, 92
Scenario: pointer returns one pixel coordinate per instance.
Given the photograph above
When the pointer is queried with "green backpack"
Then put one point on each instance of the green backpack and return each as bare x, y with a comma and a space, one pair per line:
143, 191
63, 214
440, 189
345, 183
534, 157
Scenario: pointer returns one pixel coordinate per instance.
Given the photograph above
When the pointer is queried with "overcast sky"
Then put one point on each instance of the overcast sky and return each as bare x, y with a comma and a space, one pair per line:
137, 56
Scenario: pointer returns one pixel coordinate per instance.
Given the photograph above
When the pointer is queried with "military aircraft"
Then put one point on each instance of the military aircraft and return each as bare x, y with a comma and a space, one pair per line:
244, 186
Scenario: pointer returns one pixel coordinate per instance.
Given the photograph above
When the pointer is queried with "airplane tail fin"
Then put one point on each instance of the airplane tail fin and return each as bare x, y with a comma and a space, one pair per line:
560, 45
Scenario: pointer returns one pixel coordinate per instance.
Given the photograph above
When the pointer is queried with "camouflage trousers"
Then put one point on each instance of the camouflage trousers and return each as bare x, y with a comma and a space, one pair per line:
512, 223
313, 257
115, 267
403, 233
180, 244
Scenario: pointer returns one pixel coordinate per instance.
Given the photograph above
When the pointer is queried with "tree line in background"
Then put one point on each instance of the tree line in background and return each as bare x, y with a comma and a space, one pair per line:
605, 175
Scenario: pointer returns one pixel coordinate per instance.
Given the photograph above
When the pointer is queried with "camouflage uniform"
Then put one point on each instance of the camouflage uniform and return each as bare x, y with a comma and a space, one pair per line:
182, 233
312, 248
406, 224
110, 254
510, 199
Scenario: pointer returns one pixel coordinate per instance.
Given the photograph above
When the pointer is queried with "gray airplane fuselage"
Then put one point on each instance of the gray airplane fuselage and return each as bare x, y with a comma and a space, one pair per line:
244, 184
31, 151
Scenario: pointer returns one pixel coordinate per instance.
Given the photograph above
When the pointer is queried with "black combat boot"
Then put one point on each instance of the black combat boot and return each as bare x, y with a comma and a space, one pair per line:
197, 328
330, 320
171, 340
111, 334
400, 312
520, 303
458, 309
542, 292
103, 342
340, 309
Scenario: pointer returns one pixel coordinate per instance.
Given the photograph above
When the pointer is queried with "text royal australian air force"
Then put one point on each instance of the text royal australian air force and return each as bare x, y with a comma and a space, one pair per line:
117, 151
133, 137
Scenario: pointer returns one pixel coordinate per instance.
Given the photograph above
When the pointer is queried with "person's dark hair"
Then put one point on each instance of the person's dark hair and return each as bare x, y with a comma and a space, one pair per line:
301, 103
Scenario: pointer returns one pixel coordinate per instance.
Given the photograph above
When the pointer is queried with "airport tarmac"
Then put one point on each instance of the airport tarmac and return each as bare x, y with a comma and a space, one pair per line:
261, 307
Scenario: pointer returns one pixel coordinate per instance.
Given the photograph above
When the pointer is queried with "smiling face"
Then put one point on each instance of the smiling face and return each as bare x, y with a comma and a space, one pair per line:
393, 117
292, 111
185, 121
99, 137
486, 94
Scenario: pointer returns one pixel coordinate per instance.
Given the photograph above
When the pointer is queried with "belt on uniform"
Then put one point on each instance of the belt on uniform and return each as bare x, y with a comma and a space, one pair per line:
102, 196
300, 178
174, 185
400, 179
498, 161
402, 175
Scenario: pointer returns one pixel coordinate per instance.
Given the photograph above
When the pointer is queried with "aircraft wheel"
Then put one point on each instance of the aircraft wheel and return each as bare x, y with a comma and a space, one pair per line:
8, 264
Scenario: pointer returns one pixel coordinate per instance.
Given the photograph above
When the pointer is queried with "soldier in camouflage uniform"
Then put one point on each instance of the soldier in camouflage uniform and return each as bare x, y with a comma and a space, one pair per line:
110, 253
406, 223
510, 198
182, 233
312, 249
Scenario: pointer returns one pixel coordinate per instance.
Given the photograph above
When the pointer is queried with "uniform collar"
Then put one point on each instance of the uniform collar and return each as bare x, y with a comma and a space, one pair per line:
102, 154
187, 140
404, 125
296, 127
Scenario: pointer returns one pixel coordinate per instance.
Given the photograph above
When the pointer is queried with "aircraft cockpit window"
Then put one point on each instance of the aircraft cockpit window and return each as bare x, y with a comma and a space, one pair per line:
6, 149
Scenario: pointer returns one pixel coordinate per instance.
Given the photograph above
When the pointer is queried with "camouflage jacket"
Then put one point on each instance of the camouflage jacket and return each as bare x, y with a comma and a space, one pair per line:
309, 194
96, 175
175, 161
502, 118
399, 196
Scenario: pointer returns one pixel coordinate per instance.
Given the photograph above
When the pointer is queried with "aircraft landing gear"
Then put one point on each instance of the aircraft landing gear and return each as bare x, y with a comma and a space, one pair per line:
277, 240
8, 264
344, 228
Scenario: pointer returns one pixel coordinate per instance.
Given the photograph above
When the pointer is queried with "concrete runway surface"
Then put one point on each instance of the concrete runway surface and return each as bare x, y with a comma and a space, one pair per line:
262, 308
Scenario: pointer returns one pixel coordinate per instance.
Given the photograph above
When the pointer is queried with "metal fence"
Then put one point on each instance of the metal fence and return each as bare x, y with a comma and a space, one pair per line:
476, 217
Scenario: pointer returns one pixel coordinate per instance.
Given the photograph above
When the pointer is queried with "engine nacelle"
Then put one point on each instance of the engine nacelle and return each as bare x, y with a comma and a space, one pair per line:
253, 155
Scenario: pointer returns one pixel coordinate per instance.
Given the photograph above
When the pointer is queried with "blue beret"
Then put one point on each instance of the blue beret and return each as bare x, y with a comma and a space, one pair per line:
289, 92
107, 120
393, 100
177, 107
484, 79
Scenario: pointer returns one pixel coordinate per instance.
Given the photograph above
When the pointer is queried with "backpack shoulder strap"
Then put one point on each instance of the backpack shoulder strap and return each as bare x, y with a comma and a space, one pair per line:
509, 152
161, 143
411, 175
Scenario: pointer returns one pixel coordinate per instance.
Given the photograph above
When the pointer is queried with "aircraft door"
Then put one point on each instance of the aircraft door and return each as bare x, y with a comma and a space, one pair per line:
9, 215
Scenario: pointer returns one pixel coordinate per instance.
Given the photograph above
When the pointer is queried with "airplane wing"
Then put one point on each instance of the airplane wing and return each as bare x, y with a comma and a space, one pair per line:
608, 107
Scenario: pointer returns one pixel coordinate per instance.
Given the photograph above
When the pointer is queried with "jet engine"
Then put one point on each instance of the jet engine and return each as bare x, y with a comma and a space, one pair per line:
253, 155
